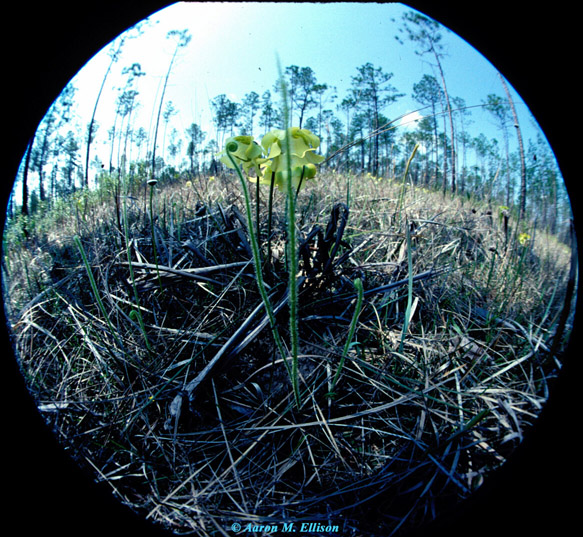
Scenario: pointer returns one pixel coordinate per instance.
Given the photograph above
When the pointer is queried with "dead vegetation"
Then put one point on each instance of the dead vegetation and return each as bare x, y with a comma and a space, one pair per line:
163, 379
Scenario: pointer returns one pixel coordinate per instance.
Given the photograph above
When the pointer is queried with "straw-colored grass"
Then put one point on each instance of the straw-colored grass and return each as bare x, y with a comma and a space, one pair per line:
448, 365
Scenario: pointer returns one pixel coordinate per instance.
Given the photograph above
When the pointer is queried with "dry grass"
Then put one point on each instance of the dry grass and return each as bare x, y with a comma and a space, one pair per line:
419, 418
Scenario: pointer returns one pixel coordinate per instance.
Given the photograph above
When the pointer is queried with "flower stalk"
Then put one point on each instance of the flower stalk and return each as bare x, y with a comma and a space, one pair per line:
257, 265
285, 158
292, 257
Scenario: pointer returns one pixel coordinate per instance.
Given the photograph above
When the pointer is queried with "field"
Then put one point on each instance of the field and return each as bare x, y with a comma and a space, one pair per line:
141, 333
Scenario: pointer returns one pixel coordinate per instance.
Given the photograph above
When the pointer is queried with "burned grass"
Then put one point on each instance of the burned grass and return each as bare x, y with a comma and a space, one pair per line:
174, 394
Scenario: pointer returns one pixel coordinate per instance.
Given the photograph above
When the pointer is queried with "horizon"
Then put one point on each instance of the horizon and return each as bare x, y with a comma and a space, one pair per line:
224, 62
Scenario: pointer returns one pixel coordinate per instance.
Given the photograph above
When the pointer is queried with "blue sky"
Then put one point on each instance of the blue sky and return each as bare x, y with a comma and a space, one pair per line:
234, 50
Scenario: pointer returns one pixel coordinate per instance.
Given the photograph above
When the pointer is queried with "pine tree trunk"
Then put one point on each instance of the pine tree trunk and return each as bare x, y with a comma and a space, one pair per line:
376, 139
436, 145
160, 112
24, 209
450, 114
520, 150
41, 161
444, 158
92, 122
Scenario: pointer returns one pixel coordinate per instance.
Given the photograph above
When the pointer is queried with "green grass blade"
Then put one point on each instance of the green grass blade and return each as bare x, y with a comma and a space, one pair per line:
409, 290
360, 296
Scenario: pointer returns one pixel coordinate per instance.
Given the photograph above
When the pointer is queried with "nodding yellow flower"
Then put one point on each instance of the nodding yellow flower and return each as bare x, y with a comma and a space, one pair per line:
299, 174
523, 238
270, 159
212, 178
303, 159
188, 184
245, 152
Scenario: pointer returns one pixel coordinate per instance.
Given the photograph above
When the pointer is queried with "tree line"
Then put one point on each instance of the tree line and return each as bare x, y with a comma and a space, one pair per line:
357, 133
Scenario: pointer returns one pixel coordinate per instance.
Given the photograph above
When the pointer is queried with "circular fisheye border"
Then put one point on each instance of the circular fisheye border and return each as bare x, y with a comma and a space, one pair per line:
50, 42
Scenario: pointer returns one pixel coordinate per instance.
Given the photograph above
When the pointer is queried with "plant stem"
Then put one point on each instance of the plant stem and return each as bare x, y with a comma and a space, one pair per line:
132, 279
154, 236
257, 210
270, 217
300, 183
292, 282
292, 258
257, 266
402, 194
409, 289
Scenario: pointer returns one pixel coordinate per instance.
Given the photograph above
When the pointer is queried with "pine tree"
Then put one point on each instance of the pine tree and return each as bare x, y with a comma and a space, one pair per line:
522, 205
250, 106
182, 38
500, 110
426, 33
196, 137
428, 92
372, 92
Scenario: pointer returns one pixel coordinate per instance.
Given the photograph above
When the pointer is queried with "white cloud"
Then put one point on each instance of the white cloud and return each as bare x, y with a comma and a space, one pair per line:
410, 120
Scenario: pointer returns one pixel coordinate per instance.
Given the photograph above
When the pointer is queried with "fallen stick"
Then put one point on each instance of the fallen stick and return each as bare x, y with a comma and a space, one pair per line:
227, 350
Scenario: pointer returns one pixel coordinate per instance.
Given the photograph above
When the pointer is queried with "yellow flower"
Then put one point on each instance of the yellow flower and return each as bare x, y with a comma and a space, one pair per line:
303, 159
245, 152
270, 157
299, 174
188, 184
523, 238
